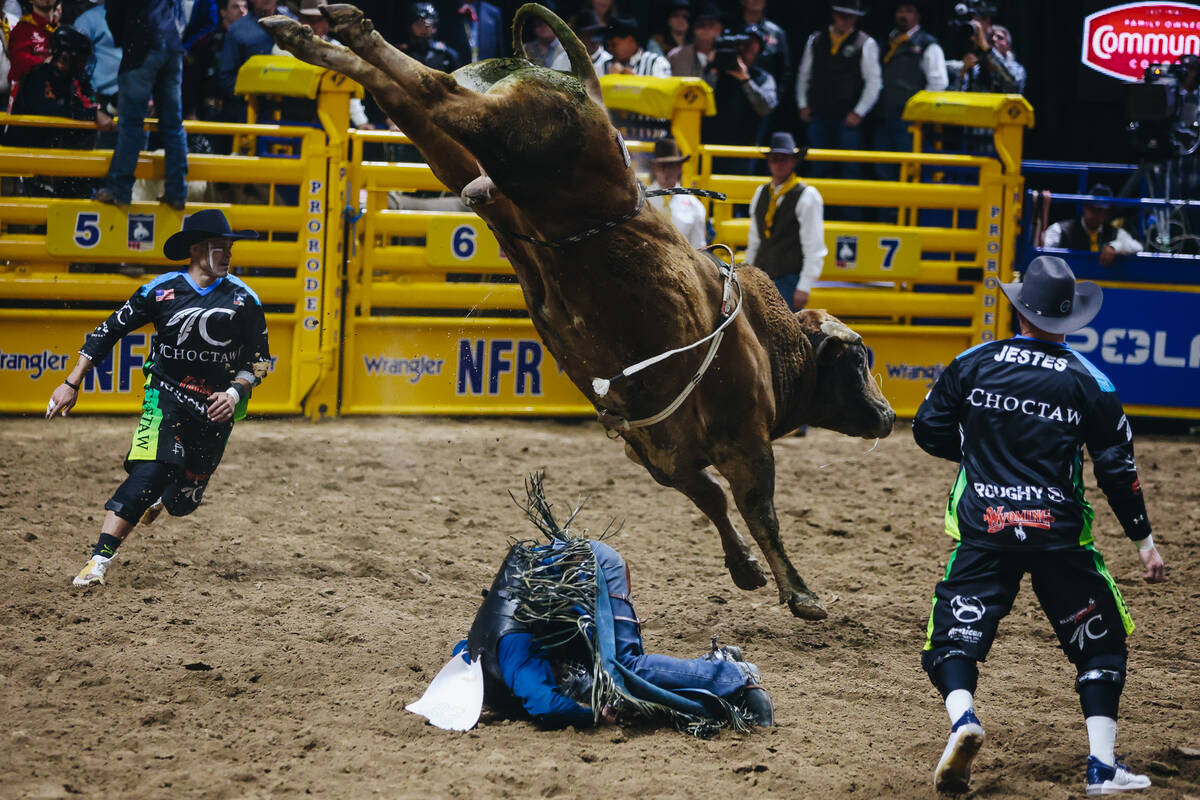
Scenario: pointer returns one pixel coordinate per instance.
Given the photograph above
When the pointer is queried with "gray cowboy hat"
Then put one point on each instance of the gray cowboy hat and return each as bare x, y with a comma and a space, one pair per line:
855, 7
207, 224
1050, 298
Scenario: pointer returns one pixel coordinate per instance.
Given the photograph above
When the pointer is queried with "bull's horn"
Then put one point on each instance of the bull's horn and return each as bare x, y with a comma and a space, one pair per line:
581, 63
838, 330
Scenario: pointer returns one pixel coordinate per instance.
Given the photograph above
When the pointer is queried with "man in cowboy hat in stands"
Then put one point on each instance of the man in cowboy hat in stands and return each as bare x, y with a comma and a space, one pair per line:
209, 351
685, 211
787, 225
1092, 230
1016, 415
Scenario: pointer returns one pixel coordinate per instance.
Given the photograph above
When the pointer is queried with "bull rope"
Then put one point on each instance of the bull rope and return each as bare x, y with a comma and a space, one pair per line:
728, 313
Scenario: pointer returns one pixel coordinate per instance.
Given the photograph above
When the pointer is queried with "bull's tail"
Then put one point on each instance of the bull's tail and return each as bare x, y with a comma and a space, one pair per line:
581, 63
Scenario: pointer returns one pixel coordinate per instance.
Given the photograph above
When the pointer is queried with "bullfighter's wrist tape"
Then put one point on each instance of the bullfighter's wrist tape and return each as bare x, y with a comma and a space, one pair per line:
235, 392
1145, 544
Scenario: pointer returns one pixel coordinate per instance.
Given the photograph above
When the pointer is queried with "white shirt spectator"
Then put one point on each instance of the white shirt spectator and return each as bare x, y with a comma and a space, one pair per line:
1124, 244
933, 62
686, 212
871, 71
600, 59
810, 213
646, 63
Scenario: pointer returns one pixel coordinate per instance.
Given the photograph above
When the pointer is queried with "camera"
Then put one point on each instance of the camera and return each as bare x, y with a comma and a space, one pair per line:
726, 49
960, 23
1162, 109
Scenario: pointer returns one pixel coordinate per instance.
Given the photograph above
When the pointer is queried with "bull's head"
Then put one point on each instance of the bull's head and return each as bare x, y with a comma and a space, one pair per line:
846, 398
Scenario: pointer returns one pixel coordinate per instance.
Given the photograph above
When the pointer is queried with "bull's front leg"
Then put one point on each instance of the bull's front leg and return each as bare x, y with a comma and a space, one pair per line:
751, 475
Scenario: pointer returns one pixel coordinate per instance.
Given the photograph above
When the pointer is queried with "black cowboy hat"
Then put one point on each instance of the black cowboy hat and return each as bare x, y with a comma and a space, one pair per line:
1100, 192
586, 21
1049, 297
207, 224
666, 151
706, 11
783, 143
855, 7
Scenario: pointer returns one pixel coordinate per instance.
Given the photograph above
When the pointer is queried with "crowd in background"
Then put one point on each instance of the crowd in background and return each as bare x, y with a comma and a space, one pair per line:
833, 87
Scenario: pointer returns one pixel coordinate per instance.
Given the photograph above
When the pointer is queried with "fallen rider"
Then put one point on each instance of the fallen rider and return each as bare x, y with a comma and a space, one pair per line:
557, 639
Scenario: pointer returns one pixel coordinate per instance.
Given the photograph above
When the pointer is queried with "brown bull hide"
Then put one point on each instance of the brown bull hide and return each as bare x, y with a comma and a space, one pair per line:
533, 151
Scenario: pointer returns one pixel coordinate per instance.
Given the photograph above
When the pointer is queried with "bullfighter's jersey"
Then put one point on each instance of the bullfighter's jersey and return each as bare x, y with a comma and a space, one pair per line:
1016, 415
204, 338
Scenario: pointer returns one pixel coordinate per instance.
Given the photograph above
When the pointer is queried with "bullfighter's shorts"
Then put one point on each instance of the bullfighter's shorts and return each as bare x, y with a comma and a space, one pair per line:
172, 432
1075, 590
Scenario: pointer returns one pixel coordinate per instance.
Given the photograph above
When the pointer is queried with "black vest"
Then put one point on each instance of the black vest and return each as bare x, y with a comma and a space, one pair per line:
837, 80
493, 620
903, 74
1075, 237
779, 254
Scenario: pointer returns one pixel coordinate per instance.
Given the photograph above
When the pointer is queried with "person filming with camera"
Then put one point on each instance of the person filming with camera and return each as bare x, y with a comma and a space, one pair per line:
984, 67
745, 93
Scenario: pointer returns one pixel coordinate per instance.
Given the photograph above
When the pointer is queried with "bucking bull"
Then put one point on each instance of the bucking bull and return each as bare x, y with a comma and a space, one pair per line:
609, 282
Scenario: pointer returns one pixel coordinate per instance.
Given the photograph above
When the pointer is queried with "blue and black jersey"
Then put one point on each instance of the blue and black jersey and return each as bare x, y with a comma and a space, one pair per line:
204, 338
1016, 415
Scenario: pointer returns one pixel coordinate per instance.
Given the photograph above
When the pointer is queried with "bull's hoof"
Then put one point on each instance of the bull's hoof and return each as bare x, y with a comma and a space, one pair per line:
746, 573
286, 31
347, 21
480, 192
806, 606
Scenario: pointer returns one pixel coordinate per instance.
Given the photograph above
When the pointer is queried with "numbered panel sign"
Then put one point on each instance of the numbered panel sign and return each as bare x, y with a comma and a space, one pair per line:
870, 254
463, 241
86, 230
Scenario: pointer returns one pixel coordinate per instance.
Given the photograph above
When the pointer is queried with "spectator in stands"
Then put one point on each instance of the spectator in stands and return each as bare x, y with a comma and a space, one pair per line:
914, 61
1002, 42
475, 32
690, 60
246, 38
685, 211
29, 43
983, 68
787, 225
838, 83
677, 29
8, 19
58, 87
776, 55
103, 65
590, 30
606, 10
151, 67
544, 48
744, 93
202, 96
1092, 231
422, 44
628, 56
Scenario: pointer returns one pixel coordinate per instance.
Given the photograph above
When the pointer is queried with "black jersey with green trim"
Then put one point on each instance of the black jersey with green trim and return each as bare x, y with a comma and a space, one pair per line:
204, 337
1016, 415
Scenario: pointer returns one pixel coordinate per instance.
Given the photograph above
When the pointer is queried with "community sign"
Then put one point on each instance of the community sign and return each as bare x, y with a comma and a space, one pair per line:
1122, 41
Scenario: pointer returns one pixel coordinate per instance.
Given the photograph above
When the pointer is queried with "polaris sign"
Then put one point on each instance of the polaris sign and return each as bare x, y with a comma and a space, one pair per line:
1123, 40
1148, 344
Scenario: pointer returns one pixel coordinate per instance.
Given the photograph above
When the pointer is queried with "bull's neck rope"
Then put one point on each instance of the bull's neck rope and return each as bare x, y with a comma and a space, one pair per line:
607, 224
729, 312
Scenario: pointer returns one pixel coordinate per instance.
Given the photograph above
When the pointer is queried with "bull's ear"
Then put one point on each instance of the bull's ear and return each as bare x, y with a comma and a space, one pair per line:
829, 348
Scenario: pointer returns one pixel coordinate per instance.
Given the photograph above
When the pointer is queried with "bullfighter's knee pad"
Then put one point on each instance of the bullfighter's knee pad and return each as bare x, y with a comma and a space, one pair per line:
951, 669
1101, 679
183, 496
146, 482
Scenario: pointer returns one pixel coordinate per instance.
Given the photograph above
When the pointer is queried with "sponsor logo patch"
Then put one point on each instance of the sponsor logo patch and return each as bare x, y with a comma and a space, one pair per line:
997, 519
967, 609
164, 294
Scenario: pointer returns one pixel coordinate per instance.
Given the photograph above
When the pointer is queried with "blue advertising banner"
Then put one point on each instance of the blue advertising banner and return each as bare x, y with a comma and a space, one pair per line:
1148, 344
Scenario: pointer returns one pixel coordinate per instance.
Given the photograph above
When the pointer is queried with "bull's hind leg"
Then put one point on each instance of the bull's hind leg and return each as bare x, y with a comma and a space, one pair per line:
358, 33
751, 476
454, 166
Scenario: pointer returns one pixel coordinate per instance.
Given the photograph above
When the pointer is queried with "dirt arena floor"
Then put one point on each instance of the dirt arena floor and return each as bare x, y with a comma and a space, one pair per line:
266, 646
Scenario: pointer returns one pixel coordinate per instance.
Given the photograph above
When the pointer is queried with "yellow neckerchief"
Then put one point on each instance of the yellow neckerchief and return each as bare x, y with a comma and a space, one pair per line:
894, 46
4, 31
777, 193
836, 39
1093, 238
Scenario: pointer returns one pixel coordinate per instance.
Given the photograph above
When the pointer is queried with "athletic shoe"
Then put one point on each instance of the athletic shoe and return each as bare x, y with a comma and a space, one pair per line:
151, 513
953, 773
1103, 779
93, 571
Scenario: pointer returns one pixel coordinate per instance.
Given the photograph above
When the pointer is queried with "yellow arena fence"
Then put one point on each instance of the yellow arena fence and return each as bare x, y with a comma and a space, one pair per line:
384, 297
